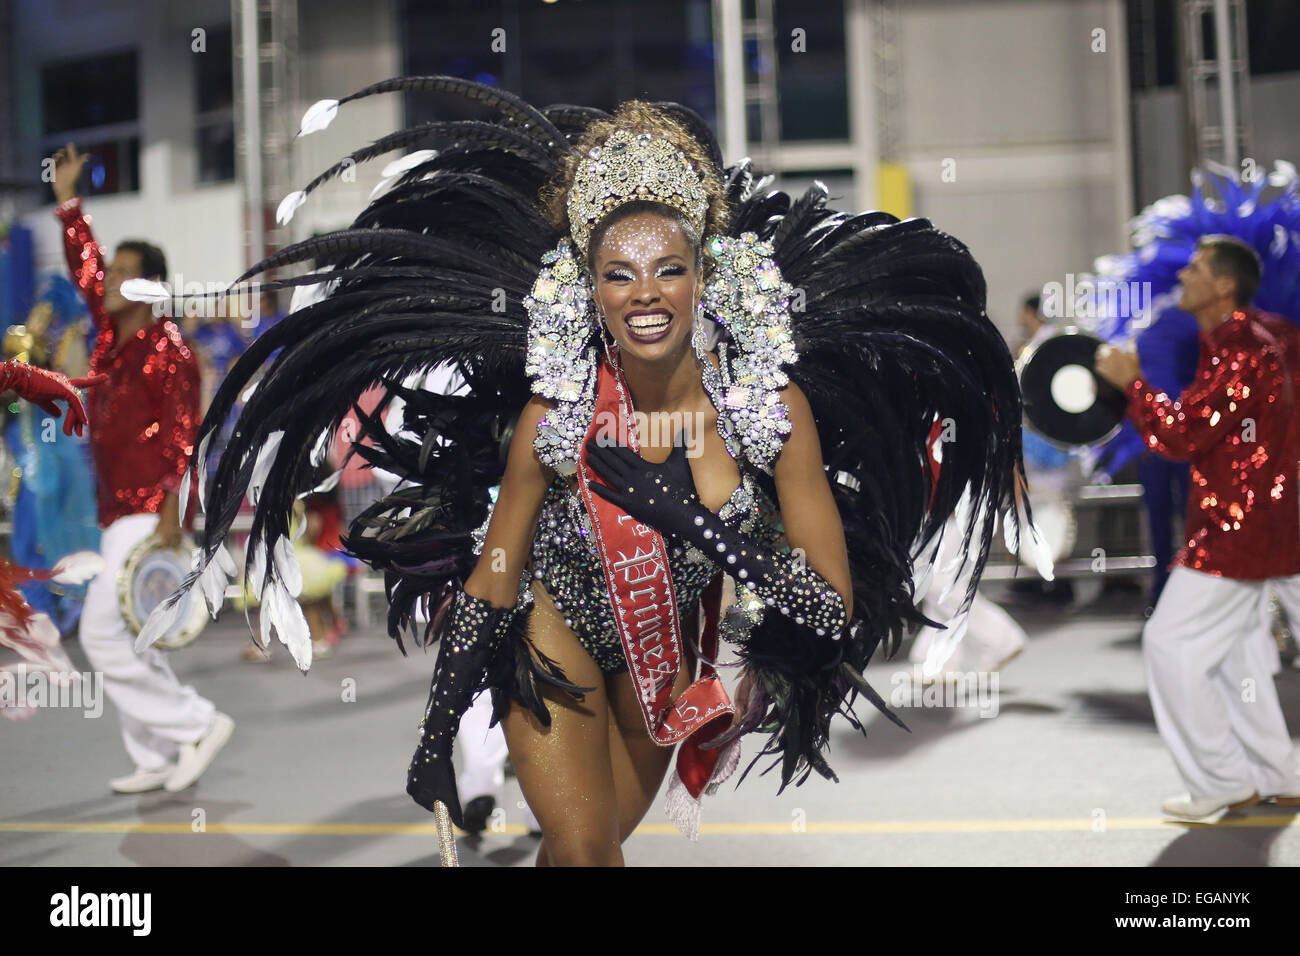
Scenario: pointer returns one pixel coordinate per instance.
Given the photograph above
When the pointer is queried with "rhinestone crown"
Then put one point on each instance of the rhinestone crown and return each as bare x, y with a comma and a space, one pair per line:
631, 166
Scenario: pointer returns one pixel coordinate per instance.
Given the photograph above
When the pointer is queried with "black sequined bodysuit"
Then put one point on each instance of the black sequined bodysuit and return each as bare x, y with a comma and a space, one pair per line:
566, 562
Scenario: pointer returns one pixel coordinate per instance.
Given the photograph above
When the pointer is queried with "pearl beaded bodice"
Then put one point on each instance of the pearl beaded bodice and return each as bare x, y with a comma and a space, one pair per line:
564, 555
566, 562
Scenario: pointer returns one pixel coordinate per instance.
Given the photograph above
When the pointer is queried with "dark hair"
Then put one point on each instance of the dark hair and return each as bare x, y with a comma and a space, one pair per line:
153, 264
1229, 256
1034, 301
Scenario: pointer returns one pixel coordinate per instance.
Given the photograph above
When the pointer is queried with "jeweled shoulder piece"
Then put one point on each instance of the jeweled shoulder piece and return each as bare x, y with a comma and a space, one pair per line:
747, 294
630, 166
561, 361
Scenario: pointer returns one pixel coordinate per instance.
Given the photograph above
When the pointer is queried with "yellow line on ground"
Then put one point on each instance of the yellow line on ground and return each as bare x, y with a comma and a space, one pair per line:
840, 828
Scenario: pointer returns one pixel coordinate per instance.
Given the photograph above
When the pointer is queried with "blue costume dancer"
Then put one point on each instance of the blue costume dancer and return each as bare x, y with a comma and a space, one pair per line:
54, 509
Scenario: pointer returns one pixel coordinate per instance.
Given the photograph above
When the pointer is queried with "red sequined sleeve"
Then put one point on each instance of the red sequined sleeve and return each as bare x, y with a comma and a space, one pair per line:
180, 417
1216, 406
85, 259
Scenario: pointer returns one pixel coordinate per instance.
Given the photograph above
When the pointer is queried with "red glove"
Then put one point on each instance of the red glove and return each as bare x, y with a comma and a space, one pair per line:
42, 388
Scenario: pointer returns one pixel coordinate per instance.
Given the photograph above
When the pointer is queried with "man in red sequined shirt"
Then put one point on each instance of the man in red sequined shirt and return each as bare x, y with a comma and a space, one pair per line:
143, 421
1209, 656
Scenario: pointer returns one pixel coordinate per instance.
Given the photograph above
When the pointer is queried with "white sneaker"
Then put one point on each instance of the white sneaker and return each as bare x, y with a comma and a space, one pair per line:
196, 757
1211, 809
142, 780
996, 656
921, 646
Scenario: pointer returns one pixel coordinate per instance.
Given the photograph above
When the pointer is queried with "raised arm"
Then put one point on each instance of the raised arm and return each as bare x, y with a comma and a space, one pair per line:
508, 544
84, 255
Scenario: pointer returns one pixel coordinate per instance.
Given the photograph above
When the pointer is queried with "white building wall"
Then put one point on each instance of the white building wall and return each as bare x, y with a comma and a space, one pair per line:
345, 46
1275, 118
1035, 125
342, 47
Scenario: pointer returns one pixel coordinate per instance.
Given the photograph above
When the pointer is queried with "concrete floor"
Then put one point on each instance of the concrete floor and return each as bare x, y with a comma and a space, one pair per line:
1069, 772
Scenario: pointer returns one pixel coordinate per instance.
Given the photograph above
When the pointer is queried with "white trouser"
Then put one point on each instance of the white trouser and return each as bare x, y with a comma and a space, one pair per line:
158, 714
483, 750
1288, 596
1210, 661
980, 639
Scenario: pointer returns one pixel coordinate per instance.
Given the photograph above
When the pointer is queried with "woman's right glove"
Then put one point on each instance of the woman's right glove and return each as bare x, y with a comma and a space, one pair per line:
474, 633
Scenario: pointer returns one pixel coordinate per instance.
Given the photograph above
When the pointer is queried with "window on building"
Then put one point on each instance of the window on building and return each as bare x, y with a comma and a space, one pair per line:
1273, 27
1154, 39
1152, 44
214, 108
593, 54
94, 102
812, 73
600, 54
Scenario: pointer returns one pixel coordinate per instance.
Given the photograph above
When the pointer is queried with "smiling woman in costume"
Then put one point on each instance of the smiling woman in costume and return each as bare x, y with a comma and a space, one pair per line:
704, 377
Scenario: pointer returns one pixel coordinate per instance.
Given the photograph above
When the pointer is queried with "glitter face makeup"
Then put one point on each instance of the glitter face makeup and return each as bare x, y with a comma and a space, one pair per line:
646, 284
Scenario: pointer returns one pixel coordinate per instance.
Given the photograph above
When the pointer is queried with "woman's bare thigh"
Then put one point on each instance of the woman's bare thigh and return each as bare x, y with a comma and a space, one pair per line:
564, 770
638, 763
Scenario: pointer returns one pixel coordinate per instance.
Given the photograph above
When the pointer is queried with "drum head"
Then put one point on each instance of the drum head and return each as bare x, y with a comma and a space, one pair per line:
1065, 400
151, 575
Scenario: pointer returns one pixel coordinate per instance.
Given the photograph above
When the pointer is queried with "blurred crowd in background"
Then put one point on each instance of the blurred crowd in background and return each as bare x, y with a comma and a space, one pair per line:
47, 500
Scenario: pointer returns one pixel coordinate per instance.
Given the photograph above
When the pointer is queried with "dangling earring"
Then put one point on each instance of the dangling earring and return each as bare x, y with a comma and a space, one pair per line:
605, 337
700, 333
697, 333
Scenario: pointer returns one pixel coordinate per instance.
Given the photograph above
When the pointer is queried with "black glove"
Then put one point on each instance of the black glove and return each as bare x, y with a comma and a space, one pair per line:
664, 497
474, 633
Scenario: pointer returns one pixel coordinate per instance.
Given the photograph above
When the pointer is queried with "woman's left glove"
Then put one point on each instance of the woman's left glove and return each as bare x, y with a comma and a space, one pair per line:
474, 633
664, 497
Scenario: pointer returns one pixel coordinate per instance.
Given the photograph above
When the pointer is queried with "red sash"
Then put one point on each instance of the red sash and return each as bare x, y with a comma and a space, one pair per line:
635, 562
